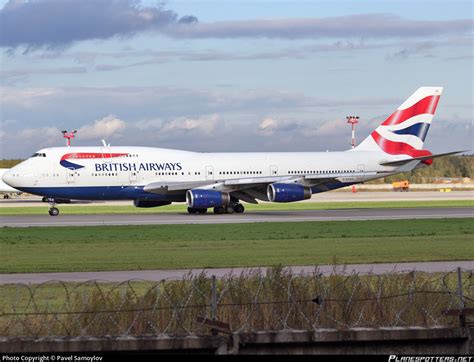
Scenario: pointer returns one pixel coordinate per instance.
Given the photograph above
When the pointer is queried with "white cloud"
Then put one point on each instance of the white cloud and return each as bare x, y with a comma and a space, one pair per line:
205, 125
39, 137
27, 97
39, 133
354, 26
106, 127
201, 120
268, 126
333, 127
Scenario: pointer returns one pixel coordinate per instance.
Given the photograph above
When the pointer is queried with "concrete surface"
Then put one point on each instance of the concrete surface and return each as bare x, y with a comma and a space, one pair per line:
405, 341
247, 217
158, 275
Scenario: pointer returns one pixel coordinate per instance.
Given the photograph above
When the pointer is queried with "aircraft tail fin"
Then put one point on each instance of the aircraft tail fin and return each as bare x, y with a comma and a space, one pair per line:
404, 132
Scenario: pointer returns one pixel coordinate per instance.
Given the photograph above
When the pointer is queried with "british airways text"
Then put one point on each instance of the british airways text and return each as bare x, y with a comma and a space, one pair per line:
149, 166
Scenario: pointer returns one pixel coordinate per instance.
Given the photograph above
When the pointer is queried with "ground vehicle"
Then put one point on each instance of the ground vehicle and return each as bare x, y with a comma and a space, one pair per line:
401, 186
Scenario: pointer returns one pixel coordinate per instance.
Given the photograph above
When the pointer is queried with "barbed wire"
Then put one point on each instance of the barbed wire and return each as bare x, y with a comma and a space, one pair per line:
314, 300
252, 301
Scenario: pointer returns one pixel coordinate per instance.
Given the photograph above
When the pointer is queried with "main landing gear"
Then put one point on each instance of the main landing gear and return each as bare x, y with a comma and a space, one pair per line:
236, 207
193, 210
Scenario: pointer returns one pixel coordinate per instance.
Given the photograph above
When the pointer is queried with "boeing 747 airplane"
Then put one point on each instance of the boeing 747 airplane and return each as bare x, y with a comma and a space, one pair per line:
155, 177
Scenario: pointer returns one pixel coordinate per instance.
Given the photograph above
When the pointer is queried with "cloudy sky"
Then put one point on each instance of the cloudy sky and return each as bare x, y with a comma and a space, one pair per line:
228, 75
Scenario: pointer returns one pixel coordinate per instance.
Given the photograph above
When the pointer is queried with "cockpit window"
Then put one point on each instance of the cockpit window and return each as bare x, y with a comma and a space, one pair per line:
39, 155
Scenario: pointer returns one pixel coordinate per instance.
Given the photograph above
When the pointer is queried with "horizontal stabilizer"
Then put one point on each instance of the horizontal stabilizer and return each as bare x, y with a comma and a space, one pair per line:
421, 158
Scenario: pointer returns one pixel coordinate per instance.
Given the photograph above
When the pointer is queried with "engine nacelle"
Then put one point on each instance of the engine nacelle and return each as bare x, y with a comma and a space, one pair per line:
150, 203
288, 192
203, 199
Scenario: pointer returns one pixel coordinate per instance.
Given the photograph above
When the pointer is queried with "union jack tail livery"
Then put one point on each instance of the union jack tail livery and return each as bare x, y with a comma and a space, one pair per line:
404, 132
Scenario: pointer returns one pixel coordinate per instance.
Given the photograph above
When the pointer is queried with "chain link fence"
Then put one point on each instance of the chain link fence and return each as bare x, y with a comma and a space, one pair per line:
252, 301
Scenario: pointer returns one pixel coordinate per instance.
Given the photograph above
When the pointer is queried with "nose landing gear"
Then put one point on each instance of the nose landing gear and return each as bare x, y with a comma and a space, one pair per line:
53, 211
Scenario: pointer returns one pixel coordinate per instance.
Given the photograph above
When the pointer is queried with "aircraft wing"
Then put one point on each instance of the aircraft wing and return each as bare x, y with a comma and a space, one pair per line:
251, 188
164, 187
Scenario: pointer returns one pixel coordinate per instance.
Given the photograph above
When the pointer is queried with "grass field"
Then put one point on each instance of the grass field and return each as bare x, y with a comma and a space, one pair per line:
75, 209
51, 249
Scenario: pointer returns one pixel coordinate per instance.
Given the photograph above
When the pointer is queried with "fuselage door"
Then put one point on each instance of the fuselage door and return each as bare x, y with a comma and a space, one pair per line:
209, 173
71, 176
133, 176
273, 170
361, 168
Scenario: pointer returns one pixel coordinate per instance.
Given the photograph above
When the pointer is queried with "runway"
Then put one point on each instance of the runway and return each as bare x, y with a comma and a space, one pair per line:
247, 217
158, 275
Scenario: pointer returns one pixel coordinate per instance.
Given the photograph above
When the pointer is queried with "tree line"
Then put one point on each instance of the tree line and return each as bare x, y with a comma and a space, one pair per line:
450, 167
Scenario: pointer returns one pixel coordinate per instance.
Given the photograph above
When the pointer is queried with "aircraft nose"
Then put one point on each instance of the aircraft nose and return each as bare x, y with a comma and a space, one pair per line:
8, 178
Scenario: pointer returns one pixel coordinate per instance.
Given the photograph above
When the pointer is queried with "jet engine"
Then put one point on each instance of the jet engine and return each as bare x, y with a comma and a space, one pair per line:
288, 192
203, 199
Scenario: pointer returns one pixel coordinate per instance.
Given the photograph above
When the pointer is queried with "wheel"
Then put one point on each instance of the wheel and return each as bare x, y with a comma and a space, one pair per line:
201, 211
219, 210
229, 209
6, 196
54, 211
192, 210
239, 208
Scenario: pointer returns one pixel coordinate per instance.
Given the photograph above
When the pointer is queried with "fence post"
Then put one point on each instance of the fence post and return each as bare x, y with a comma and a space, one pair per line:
462, 317
213, 302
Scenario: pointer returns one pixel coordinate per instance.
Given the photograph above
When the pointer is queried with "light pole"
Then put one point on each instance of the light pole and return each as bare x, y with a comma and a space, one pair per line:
353, 120
68, 136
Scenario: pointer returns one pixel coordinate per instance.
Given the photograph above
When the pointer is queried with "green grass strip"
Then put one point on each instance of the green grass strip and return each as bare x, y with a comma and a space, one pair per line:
52, 249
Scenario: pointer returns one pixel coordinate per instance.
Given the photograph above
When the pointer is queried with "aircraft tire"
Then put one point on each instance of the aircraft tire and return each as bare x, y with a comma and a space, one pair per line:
54, 211
192, 210
239, 208
229, 209
219, 210
201, 211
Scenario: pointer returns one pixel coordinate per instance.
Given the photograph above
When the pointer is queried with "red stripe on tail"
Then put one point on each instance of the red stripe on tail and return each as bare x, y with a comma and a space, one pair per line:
391, 147
425, 105
399, 148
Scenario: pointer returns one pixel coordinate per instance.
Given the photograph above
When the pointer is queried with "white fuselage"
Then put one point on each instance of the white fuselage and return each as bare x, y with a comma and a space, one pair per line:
122, 172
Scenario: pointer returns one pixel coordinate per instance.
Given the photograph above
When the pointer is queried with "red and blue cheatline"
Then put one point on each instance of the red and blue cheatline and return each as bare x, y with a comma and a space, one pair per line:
85, 156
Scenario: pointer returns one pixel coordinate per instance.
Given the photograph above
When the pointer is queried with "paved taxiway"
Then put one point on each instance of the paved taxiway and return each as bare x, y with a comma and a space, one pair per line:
158, 275
248, 217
